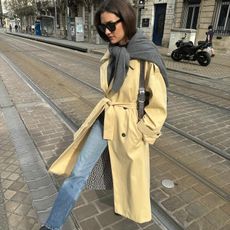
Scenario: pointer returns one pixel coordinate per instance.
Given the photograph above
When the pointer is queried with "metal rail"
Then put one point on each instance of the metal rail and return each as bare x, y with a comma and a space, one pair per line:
199, 141
217, 94
204, 102
209, 184
168, 125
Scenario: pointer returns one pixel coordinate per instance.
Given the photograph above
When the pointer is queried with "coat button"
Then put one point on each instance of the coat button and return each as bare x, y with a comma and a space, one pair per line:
123, 135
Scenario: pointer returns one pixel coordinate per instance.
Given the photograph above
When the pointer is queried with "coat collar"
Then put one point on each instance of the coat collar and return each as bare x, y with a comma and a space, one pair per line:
106, 58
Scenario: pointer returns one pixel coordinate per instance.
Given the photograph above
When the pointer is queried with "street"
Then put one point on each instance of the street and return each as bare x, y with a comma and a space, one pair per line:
48, 91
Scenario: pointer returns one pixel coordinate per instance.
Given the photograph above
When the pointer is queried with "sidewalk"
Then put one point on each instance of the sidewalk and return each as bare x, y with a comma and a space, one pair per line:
219, 67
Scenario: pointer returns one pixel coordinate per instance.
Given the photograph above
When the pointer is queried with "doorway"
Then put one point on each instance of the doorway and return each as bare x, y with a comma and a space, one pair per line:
159, 22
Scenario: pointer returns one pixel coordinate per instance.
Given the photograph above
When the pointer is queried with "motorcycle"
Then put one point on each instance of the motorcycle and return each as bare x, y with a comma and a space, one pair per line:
188, 51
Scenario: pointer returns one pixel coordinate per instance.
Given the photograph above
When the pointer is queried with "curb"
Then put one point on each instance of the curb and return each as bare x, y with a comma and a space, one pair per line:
41, 39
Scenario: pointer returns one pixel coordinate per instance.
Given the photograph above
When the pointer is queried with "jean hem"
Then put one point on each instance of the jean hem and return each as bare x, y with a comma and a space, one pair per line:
51, 228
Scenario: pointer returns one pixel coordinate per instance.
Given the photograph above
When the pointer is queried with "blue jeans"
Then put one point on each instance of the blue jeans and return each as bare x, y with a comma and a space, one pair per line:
73, 185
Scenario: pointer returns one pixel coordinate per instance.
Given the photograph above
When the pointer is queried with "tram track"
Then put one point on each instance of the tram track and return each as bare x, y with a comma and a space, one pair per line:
168, 125
171, 126
210, 96
158, 212
217, 86
99, 90
202, 101
208, 183
199, 87
73, 126
191, 86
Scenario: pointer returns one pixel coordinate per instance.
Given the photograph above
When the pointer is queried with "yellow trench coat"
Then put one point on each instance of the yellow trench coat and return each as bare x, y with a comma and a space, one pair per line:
128, 138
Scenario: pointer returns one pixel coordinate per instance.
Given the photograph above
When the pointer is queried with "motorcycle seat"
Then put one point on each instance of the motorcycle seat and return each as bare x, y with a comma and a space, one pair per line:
188, 44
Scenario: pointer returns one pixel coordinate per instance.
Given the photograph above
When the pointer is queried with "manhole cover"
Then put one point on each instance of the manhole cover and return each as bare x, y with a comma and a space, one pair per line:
168, 183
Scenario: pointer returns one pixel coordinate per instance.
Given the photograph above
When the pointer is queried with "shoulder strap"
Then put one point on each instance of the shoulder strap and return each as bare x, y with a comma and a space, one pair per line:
141, 93
142, 74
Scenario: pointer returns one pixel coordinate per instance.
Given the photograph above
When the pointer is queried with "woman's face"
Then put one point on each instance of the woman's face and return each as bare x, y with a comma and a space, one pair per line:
116, 36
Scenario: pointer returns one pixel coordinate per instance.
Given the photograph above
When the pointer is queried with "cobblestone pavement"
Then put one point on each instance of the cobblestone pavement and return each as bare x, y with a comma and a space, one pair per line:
50, 137
16, 211
26, 184
19, 212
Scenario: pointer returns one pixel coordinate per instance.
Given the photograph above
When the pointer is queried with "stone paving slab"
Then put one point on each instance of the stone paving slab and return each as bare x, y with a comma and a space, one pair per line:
16, 202
213, 71
3, 142
39, 191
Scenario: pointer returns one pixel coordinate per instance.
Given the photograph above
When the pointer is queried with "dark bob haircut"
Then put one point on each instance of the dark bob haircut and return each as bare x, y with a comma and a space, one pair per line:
210, 27
124, 10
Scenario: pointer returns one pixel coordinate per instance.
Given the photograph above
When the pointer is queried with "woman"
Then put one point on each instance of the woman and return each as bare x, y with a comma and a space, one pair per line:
209, 37
114, 121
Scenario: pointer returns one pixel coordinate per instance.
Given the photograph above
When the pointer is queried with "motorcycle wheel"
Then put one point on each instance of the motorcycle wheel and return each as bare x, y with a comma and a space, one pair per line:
176, 56
203, 58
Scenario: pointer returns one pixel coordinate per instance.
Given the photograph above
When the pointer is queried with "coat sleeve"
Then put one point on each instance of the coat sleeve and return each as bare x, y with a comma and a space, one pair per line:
156, 111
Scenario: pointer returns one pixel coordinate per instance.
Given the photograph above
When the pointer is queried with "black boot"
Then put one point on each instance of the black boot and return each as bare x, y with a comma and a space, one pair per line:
44, 228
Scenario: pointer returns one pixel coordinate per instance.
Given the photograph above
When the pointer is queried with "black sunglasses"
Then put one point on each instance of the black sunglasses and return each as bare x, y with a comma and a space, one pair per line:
111, 26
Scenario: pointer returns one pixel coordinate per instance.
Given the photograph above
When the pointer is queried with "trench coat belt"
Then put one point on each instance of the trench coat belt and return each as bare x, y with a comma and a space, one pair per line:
110, 116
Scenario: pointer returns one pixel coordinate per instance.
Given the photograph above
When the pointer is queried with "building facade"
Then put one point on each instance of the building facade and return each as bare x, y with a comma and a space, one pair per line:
1, 14
159, 17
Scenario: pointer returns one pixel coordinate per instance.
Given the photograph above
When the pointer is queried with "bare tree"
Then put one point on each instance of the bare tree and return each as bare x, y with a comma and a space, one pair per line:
88, 4
21, 9
1, 13
62, 6
42, 7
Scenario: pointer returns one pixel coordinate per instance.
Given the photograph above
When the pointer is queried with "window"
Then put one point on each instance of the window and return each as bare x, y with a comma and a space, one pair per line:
191, 9
192, 17
222, 19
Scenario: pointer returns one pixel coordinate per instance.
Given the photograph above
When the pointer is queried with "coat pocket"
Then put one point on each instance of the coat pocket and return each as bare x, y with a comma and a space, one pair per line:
133, 133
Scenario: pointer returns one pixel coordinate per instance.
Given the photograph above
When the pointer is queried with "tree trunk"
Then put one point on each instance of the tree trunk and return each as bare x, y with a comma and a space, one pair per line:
90, 22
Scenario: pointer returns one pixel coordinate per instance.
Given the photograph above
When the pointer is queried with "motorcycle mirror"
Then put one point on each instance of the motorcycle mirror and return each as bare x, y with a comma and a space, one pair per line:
185, 34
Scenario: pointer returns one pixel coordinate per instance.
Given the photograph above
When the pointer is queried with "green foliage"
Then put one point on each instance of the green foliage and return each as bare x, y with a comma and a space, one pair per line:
42, 5
87, 3
20, 7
